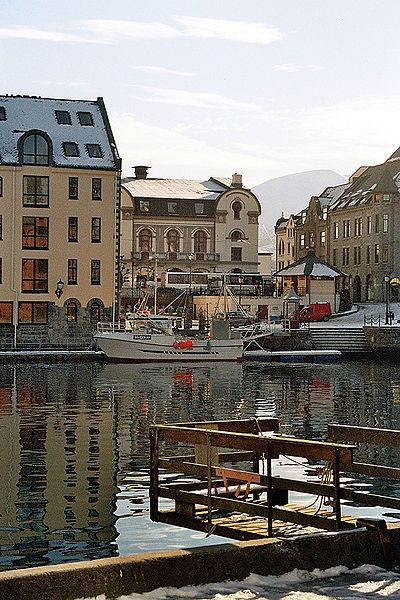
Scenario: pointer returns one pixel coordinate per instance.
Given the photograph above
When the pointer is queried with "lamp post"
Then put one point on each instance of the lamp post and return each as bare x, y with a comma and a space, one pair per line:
155, 284
387, 299
190, 258
59, 288
240, 280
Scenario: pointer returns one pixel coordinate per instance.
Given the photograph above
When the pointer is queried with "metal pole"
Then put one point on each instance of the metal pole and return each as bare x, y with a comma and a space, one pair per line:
387, 283
155, 285
190, 274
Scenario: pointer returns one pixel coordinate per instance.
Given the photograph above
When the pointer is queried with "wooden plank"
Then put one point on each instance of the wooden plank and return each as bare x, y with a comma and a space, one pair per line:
367, 499
244, 441
308, 520
234, 456
306, 487
372, 470
367, 435
239, 425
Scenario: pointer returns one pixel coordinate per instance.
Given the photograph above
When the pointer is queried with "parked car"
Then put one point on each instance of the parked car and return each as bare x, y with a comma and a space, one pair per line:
317, 311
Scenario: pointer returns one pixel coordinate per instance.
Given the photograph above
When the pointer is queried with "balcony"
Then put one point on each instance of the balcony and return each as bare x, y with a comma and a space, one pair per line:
207, 257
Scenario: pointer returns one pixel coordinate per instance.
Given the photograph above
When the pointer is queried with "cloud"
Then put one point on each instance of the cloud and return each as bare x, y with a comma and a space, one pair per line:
239, 31
161, 70
38, 34
295, 68
186, 157
117, 29
194, 99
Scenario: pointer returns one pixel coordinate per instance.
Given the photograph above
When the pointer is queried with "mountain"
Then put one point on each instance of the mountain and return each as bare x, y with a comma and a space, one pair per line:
290, 193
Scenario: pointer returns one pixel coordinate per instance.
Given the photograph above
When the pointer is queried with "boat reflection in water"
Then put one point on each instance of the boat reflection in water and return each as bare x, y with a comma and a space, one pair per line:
74, 441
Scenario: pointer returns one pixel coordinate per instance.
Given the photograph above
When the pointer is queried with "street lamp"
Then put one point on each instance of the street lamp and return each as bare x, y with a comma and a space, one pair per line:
190, 258
387, 300
240, 280
59, 288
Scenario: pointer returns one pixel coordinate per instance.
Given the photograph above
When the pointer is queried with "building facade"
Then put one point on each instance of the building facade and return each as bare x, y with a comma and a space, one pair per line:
185, 225
59, 199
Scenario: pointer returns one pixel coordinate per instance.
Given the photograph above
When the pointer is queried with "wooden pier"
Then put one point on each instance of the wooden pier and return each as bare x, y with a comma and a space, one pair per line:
226, 478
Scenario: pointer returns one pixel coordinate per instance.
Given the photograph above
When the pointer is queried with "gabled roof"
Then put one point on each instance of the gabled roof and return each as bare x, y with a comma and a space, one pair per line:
312, 266
29, 113
332, 193
185, 189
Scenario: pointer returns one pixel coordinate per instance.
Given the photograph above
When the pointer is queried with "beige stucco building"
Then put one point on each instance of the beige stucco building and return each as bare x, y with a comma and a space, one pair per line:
59, 200
181, 225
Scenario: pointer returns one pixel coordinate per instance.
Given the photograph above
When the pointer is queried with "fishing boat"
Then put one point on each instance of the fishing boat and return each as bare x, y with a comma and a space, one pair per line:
152, 338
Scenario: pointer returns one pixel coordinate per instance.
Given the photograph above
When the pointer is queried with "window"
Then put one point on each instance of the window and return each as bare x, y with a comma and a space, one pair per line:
35, 150
346, 228
72, 271
1, 186
94, 150
385, 223
376, 253
95, 312
358, 226
369, 224
172, 208
385, 253
311, 240
237, 235
357, 255
368, 255
345, 256
72, 229
335, 231
376, 223
144, 206
236, 207
302, 240
96, 230
145, 240
281, 247
95, 272
172, 240
85, 118
236, 254
73, 188
63, 117
70, 148
386, 197
72, 312
32, 312
334, 257
322, 239
35, 233
35, 191
200, 241
96, 188
34, 275
199, 208
6, 312
3, 116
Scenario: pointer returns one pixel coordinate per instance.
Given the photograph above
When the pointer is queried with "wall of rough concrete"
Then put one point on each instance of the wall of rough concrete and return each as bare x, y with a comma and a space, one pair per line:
114, 577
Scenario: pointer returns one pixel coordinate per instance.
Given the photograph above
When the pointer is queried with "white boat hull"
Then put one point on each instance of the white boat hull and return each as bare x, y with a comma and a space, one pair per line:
134, 347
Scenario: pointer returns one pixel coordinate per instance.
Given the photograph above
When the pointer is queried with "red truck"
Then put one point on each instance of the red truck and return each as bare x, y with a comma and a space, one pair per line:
318, 311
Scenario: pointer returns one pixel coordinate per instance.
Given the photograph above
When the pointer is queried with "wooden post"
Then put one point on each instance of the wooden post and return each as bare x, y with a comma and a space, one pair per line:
336, 483
154, 456
269, 487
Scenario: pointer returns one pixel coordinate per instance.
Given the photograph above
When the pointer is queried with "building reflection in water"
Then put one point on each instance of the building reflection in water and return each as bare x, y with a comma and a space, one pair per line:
74, 441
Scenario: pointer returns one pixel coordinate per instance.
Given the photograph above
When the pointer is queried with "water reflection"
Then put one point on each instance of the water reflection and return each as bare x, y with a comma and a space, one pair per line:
74, 441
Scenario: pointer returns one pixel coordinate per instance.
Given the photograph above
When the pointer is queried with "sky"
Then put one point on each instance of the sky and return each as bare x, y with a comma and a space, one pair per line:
196, 89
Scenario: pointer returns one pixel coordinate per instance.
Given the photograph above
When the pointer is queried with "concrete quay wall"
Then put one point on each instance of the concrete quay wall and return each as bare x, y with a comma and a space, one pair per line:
383, 339
139, 573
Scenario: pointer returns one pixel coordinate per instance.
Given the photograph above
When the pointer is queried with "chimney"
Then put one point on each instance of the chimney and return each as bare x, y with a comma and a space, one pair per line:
141, 171
236, 181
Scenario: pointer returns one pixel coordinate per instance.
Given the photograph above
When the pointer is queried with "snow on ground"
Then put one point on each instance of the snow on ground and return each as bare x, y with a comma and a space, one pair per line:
364, 582
364, 314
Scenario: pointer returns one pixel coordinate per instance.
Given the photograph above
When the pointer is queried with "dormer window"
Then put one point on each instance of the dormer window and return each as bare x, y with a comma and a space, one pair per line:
35, 150
63, 117
94, 150
85, 119
3, 116
70, 149
236, 207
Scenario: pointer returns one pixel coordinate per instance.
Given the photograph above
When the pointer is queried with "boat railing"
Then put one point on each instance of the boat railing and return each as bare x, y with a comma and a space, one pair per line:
110, 327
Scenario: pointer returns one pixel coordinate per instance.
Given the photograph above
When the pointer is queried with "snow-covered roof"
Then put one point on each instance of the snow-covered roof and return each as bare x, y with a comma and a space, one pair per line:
312, 266
21, 114
186, 189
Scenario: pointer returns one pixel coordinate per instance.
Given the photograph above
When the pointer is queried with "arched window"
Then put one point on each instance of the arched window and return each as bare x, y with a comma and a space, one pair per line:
172, 240
200, 241
236, 236
95, 312
236, 207
72, 312
145, 240
35, 150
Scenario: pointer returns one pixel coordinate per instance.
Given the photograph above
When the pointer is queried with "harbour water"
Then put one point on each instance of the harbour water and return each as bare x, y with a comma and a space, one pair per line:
74, 442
